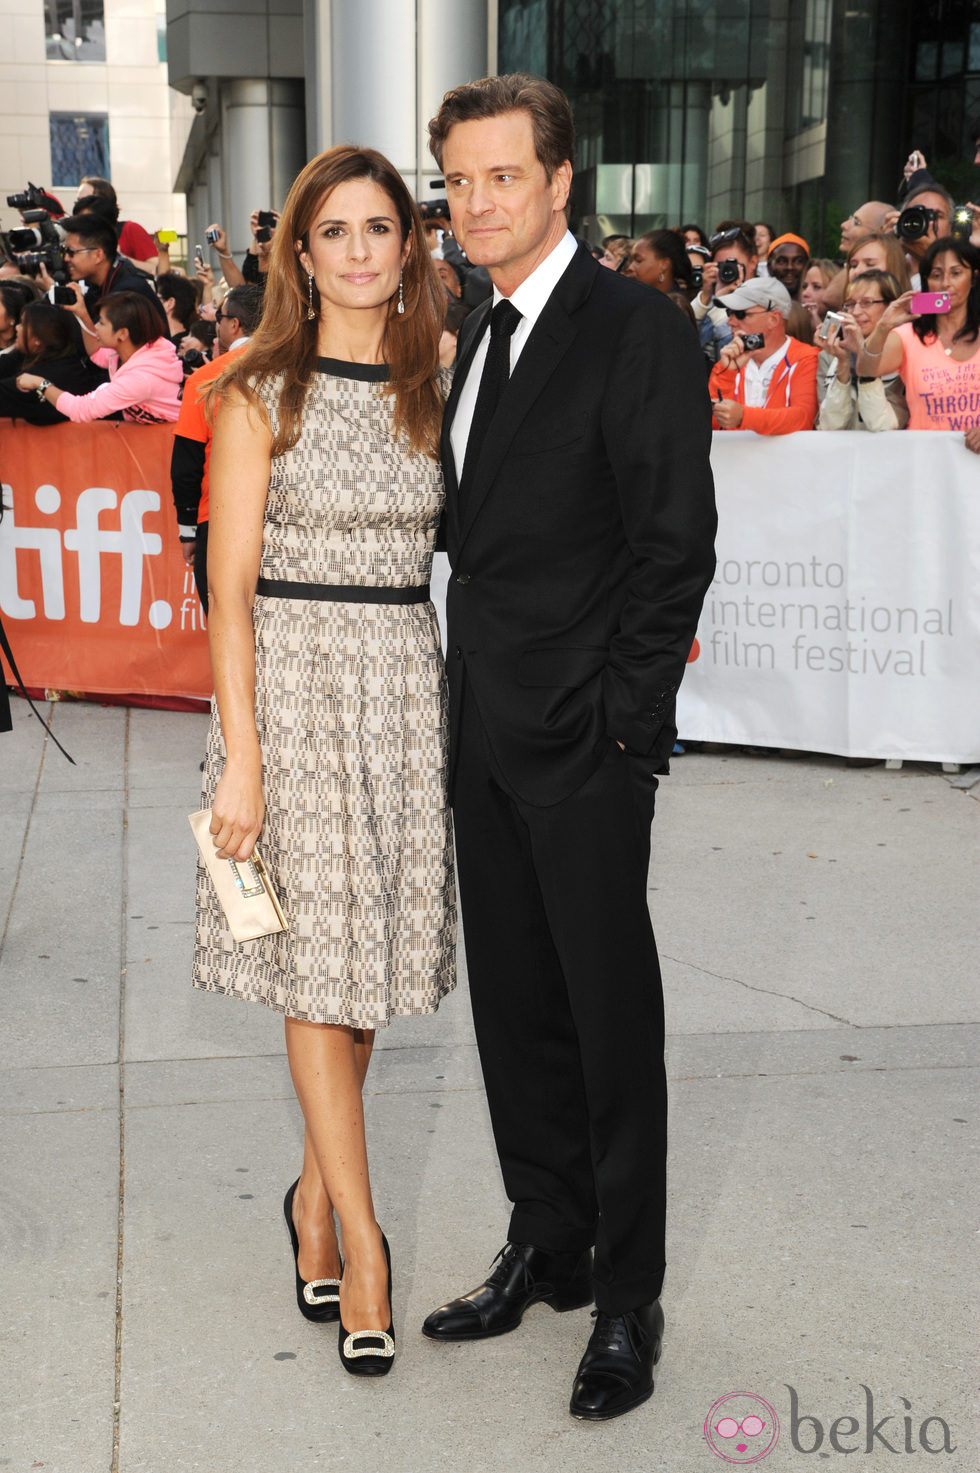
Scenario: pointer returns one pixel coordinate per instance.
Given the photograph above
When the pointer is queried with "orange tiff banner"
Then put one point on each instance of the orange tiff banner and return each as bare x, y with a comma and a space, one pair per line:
94, 592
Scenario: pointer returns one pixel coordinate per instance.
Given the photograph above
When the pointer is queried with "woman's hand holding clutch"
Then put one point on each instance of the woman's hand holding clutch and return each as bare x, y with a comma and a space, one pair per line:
238, 809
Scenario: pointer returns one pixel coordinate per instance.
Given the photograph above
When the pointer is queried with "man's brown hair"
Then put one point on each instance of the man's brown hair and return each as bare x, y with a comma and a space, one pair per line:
551, 116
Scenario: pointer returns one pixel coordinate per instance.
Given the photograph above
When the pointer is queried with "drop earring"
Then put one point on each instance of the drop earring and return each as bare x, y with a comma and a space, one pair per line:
310, 314
401, 293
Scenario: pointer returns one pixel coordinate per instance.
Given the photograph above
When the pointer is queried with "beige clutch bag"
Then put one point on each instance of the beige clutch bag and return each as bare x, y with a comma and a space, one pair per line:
248, 900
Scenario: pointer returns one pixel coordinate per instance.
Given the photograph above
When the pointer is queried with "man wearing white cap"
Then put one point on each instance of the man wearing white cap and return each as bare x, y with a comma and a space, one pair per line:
764, 380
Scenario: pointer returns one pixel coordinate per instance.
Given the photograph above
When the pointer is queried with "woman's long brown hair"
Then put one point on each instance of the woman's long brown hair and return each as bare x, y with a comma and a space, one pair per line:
285, 342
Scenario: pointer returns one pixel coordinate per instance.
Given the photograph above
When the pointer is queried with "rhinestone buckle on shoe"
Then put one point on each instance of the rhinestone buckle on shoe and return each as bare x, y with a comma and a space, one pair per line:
317, 1299
351, 1352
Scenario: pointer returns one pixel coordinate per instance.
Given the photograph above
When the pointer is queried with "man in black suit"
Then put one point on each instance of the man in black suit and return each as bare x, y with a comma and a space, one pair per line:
579, 523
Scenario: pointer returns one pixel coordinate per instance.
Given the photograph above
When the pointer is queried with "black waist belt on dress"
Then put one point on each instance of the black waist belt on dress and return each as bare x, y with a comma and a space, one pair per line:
342, 593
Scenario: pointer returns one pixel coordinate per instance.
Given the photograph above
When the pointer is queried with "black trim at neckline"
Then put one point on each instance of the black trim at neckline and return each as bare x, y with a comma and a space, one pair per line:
370, 373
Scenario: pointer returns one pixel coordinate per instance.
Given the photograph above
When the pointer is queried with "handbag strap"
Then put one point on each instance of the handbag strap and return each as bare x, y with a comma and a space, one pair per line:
9, 656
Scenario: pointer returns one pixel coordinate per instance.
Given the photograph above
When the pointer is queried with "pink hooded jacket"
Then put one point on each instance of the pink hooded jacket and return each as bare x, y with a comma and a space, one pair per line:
146, 388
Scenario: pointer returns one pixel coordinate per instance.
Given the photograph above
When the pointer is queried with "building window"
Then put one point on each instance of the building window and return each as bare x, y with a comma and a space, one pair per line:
79, 146
74, 30
816, 62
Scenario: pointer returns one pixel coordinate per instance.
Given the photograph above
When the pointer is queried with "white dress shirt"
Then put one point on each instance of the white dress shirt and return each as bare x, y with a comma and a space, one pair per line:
530, 299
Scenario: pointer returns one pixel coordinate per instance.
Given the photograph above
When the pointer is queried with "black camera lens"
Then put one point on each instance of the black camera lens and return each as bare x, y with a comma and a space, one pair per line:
914, 222
697, 277
24, 240
728, 272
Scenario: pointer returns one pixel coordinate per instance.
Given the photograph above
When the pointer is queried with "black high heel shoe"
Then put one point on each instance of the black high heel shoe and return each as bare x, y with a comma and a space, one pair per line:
318, 1299
369, 1352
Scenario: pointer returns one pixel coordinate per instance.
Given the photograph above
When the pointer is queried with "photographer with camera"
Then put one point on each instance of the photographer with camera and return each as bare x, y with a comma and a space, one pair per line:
263, 224
474, 280
35, 247
852, 401
932, 338
49, 348
218, 241
925, 217
195, 348
733, 261
764, 380
97, 271
144, 371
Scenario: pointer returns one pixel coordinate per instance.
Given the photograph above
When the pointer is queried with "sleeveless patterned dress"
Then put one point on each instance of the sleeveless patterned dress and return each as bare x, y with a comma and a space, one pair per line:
350, 705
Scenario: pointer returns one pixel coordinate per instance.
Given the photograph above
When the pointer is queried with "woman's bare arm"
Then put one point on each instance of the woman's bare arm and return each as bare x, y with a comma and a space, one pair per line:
239, 484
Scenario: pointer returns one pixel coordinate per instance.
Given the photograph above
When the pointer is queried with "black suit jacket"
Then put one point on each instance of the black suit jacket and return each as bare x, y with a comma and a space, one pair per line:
583, 545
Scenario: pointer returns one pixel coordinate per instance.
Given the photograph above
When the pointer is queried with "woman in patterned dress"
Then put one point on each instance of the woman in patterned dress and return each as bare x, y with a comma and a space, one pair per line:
329, 732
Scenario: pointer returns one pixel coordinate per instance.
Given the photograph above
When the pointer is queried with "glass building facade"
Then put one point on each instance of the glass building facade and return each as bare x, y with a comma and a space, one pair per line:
793, 111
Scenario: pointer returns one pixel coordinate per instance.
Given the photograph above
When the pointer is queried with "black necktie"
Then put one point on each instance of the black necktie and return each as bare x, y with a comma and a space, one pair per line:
496, 371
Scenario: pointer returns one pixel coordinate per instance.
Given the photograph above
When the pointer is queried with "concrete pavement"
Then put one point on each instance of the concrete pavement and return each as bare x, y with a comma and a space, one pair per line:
818, 932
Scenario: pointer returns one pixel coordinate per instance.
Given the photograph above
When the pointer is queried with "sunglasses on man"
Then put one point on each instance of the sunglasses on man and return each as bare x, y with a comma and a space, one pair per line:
740, 313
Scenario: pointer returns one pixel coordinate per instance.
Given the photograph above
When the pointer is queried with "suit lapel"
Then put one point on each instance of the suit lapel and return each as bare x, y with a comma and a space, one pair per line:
476, 323
547, 344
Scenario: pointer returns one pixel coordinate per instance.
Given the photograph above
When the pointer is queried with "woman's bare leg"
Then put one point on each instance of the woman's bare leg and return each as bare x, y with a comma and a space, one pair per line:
319, 1253
328, 1064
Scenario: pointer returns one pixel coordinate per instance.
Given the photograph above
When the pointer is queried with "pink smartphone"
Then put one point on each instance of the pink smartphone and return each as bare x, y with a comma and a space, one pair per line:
929, 302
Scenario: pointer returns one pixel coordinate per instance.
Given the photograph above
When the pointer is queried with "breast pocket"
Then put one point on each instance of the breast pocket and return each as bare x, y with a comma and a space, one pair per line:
534, 449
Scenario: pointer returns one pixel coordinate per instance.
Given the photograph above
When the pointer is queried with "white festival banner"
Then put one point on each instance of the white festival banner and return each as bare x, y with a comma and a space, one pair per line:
844, 615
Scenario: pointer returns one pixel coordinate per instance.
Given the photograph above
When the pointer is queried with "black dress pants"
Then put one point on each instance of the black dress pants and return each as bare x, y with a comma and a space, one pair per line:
568, 1008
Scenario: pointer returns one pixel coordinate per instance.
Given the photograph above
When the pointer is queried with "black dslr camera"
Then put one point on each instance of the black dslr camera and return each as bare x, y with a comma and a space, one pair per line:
39, 241
34, 198
914, 222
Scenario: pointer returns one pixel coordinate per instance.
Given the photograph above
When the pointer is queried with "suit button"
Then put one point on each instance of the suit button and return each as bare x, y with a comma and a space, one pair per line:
458, 653
462, 577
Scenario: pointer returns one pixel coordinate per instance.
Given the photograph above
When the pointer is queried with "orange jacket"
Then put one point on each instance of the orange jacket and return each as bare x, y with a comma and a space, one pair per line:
791, 403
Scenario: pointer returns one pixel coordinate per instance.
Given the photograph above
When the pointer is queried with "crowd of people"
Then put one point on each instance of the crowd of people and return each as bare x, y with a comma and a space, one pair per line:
884, 337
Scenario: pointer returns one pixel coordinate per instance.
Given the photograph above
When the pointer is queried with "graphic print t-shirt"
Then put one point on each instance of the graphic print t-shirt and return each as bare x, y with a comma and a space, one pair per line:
942, 394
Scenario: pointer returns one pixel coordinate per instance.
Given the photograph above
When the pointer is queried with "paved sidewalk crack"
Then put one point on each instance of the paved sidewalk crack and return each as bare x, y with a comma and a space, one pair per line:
120, 1221
766, 991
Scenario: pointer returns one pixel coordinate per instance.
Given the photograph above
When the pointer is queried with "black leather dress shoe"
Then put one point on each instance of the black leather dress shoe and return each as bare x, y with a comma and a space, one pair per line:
521, 1275
616, 1371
